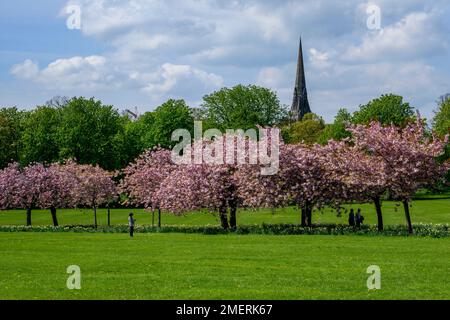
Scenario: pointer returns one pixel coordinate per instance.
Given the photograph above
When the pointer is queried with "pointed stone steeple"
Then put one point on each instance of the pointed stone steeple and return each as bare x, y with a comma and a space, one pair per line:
300, 104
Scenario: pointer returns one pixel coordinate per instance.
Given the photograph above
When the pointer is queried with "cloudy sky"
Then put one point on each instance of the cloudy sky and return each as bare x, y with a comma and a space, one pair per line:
142, 52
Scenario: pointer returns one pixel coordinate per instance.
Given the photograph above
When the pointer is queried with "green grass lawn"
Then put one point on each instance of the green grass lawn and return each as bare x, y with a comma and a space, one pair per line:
181, 266
425, 211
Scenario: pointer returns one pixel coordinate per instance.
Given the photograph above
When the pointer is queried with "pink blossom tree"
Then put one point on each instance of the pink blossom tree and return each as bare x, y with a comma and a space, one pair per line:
408, 155
13, 186
194, 187
56, 186
214, 183
94, 186
303, 178
360, 177
144, 177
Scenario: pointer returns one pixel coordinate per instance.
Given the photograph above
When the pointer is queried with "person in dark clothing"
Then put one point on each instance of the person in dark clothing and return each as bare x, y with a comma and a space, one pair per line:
351, 218
131, 222
359, 218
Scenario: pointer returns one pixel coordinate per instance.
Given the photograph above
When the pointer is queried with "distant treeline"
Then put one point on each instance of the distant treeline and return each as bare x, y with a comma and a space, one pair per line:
94, 133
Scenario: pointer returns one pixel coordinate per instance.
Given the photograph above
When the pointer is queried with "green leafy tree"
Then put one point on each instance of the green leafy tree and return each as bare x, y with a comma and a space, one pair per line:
39, 139
143, 128
441, 120
170, 116
242, 107
308, 130
387, 109
11, 126
338, 129
88, 132
441, 125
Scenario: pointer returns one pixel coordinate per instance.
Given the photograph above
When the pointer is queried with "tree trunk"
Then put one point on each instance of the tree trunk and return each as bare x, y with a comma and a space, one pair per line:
153, 218
223, 218
309, 216
54, 217
377, 203
28, 216
159, 218
408, 216
304, 218
233, 210
109, 217
95, 217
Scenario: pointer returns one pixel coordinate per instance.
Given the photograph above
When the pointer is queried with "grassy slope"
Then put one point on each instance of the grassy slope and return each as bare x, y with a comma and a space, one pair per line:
178, 266
425, 211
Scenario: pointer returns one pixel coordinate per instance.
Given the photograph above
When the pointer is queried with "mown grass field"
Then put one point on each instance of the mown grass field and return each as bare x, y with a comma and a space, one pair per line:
194, 266
425, 211
180, 266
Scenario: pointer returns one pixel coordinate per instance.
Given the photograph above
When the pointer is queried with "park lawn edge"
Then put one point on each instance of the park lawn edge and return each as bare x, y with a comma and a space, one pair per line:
422, 230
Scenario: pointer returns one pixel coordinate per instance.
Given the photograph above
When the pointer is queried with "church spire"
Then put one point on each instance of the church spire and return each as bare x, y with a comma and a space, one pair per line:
300, 104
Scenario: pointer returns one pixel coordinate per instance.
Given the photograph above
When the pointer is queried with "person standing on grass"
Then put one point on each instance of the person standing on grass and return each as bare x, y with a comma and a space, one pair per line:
359, 218
351, 218
131, 222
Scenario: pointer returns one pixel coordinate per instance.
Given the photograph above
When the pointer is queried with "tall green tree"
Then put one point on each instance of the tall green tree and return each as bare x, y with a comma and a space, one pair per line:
338, 129
441, 125
11, 126
88, 131
441, 120
168, 117
387, 109
242, 107
307, 131
39, 138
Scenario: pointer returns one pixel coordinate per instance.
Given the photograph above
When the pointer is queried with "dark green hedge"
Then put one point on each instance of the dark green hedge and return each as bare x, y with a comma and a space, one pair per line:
426, 230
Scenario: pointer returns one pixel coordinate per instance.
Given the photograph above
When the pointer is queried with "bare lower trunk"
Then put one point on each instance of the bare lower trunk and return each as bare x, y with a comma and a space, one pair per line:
95, 217
408, 216
233, 210
109, 217
223, 218
54, 217
377, 203
309, 216
28, 216
153, 218
159, 218
304, 218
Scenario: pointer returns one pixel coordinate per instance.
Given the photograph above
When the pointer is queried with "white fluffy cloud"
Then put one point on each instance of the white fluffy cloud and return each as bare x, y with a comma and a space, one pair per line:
184, 77
25, 70
80, 72
156, 48
414, 35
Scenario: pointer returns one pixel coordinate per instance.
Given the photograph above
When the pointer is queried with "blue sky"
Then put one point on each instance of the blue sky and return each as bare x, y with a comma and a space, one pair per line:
140, 53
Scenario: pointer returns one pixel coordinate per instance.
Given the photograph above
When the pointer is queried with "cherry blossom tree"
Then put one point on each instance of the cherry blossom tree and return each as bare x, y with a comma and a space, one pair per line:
408, 155
56, 186
213, 183
13, 186
361, 178
94, 186
194, 187
144, 177
210, 186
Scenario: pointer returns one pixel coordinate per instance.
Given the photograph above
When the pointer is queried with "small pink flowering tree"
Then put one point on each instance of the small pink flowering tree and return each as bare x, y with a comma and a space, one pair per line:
360, 177
144, 177
214, 182
94, 186
13, 187
194, 187
56, 185
408, 154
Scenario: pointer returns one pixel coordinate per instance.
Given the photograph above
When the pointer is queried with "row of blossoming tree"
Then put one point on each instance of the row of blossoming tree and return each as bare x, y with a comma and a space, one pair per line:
56, 186
375, 161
